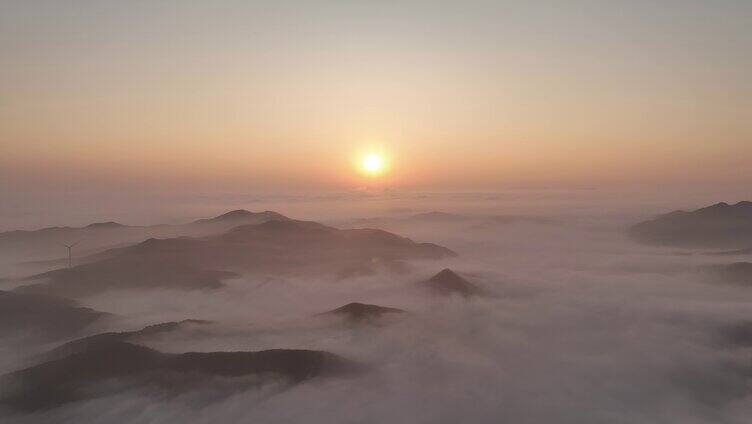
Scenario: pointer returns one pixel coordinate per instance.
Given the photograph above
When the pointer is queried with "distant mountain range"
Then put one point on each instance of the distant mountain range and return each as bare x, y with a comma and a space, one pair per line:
47, 243
276, 246
111, 274
717, 226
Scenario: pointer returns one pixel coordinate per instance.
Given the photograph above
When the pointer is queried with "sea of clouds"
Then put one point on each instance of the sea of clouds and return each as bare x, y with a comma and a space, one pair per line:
581, 325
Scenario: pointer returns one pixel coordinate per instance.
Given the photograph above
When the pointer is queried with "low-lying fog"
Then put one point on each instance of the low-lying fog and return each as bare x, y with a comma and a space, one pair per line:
580, 325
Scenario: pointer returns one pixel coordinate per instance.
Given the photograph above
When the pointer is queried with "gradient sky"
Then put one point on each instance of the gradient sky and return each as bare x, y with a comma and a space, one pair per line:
272, 95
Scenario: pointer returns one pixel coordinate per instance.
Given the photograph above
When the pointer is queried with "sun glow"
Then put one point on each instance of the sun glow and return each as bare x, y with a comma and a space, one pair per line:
373, 164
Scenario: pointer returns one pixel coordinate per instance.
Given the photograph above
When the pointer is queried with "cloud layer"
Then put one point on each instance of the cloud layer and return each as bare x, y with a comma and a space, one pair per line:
583, 326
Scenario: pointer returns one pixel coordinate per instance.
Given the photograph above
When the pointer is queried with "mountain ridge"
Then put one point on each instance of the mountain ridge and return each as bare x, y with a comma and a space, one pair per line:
720, 225
274, 247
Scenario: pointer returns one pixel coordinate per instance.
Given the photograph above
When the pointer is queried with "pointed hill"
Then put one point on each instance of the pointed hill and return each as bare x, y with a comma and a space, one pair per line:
449, 282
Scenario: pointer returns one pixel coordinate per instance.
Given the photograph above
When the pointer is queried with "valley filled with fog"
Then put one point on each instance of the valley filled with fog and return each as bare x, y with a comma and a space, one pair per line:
553, 310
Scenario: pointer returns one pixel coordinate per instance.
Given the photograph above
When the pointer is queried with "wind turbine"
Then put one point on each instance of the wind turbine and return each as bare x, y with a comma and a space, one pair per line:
70, 256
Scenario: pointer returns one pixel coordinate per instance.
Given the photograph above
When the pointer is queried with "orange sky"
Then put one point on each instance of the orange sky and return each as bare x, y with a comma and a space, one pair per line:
250, 96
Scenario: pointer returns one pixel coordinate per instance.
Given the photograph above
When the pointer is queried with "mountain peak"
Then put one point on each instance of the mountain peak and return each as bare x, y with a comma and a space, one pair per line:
725, 209
237, 213
721, 225
446, 273
244, 216
448, 282
243, 213
719, 205
744, 204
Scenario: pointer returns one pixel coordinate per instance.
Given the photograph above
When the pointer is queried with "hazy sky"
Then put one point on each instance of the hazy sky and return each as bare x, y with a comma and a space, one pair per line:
243, 96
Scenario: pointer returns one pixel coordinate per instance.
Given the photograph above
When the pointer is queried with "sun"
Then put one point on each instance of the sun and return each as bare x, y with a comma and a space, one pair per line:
373, 164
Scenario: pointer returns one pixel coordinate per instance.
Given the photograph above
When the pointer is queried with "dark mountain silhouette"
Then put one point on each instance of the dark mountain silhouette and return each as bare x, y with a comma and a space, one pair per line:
165, 327
358, 312
448, 282
242, 216
98, 341
736, 335
125, 365
103, 225
717, 226
277, 247
48, 243
123, 273
735, 273
43, 316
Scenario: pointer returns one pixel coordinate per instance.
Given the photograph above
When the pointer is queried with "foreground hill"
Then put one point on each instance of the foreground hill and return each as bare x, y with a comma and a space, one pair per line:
48, 243
717, 226
46, 317
277, 247
124, 365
